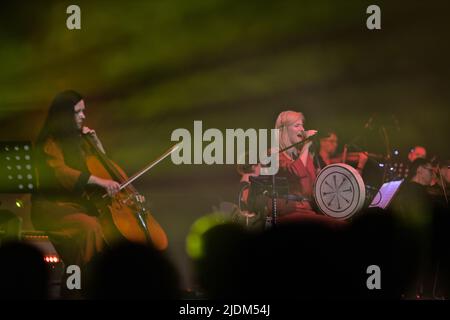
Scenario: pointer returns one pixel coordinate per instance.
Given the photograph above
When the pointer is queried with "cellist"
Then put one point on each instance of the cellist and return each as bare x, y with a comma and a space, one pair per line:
58, 205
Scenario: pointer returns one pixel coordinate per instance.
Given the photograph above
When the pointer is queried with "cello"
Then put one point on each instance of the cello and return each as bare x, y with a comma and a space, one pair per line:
124, 216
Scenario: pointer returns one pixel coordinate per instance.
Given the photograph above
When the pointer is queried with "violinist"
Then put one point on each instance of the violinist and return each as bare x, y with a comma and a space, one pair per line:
440, 186
328, 143
58, 206
297, 166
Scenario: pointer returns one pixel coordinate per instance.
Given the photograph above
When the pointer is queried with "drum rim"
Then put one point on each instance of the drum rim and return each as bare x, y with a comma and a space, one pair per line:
359, 182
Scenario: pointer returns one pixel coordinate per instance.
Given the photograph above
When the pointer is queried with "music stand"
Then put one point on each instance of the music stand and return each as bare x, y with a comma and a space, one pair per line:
17, 172
386, 193
272, 187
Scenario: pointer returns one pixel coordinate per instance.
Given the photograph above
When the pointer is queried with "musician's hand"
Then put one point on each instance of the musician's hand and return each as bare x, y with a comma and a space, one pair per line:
309, 133
86, 130
363, 157
111, 186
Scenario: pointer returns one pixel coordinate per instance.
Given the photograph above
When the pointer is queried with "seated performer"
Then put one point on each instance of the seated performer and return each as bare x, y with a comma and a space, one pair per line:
296, 168
295, 164
327, 153
425, 222
413, 197
58, 205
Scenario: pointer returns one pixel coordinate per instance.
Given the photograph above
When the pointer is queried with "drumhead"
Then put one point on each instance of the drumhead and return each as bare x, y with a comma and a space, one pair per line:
339, 191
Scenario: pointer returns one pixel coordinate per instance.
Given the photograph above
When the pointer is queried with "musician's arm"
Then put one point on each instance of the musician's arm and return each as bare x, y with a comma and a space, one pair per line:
70, 178
295, 168
110, 186
304, 153
363, 157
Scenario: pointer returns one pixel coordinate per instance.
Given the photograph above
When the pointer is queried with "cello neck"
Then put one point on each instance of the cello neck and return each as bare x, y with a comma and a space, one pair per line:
106, 162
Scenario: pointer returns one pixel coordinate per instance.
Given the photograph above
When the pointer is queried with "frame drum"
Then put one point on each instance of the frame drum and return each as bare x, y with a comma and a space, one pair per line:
339, 191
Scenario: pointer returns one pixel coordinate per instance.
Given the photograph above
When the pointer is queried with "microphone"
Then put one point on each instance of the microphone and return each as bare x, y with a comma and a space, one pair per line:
305, 140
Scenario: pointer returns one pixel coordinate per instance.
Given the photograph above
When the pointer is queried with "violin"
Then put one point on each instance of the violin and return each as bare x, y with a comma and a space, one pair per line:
354, 157
123, 216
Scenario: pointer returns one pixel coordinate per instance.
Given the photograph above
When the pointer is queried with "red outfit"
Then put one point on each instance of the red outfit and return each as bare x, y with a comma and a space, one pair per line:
300, 180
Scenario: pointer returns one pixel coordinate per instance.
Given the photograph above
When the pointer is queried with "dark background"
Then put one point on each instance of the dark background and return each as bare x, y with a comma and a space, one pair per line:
147, 68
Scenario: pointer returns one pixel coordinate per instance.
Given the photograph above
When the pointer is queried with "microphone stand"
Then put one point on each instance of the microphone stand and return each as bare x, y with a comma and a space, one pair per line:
274, 203
297, 143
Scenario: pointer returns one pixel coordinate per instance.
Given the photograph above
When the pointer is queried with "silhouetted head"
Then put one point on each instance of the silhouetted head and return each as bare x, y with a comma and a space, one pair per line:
375, 238
132, 271
224, 269
23, 272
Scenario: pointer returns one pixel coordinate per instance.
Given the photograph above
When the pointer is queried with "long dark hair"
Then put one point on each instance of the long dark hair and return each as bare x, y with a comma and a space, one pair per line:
61, 127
